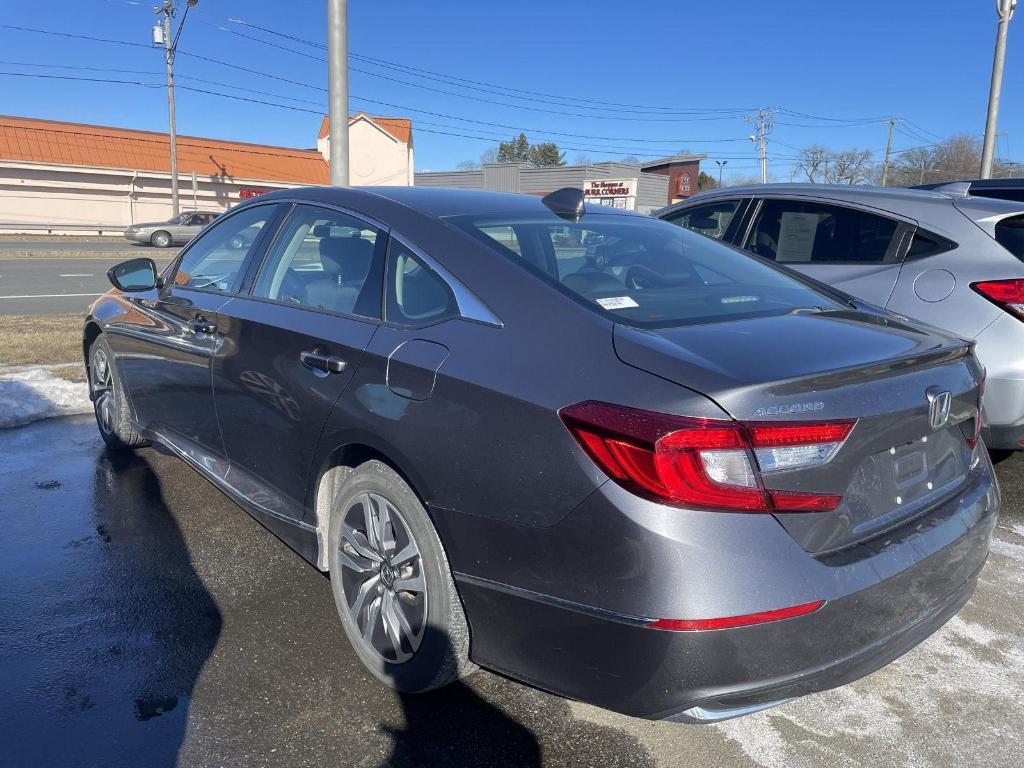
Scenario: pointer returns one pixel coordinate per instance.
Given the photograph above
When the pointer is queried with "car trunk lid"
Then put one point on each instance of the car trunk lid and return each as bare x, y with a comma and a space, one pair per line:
824, 365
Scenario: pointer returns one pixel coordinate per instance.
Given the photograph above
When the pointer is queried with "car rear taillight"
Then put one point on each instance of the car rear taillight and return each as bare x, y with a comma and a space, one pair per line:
1005, 294
705, 463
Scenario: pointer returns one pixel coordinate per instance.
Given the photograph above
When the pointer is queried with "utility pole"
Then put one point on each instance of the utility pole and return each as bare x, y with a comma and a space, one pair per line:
337, 87
1004, 9
170, 48
888, 150
762, 122
721, 164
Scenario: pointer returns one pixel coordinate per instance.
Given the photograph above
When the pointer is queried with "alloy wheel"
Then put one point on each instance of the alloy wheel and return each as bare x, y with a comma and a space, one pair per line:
104, 398
383, 578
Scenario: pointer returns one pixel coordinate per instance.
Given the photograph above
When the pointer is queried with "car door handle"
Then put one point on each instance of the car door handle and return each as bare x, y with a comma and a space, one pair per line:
322, 362
202, 325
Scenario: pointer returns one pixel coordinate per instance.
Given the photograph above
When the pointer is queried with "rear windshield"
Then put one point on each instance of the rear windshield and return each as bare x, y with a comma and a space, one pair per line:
643, 271
1010, 234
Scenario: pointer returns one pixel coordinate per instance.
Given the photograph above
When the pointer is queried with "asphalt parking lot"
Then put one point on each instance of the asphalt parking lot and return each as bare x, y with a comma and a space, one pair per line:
148, 621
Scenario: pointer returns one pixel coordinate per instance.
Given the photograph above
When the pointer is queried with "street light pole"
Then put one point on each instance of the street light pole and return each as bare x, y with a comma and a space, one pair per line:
337, 87
1004, 8
170, 48
721, 164
888, 151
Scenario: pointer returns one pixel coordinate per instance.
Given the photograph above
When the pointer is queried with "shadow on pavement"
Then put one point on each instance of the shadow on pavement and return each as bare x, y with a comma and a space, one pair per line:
106, 626
453, 726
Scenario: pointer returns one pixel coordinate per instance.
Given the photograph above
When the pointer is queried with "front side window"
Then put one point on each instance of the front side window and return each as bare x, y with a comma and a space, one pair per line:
711, 219
644, 271
799, 232
215, 259
415, 294
323, 259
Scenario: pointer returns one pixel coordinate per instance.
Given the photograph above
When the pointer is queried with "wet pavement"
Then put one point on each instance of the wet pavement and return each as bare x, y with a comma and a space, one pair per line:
146, 620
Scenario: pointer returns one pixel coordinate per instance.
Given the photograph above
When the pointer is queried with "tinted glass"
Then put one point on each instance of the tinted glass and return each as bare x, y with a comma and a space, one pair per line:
711, 219
416, 295
924, 244
647, 272
795, 232
323, 259
214, 261
1010, 234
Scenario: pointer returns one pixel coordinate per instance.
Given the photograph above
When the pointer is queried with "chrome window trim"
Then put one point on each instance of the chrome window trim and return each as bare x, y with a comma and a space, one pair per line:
469, 305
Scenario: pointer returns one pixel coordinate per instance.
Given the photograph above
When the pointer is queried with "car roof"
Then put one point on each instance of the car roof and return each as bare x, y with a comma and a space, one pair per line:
977, 184
883, 198
439, 202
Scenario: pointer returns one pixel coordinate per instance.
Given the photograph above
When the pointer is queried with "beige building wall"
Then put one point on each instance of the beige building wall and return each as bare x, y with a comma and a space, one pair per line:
40, 194
376, 158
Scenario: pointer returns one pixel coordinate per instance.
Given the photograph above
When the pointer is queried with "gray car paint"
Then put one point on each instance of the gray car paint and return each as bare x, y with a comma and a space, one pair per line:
558, 568
934, 289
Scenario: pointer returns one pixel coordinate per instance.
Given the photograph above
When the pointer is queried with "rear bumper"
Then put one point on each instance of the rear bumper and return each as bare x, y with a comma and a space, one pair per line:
923, 574
1004, 437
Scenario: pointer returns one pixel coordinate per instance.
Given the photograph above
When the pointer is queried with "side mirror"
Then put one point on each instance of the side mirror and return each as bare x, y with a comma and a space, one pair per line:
134, 275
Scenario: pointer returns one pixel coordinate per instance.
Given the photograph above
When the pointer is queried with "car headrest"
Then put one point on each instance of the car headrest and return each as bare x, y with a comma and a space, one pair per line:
348, 257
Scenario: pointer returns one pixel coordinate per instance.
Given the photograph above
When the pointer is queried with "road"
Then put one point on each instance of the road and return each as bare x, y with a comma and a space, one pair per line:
68, 244
47, 283
146, 620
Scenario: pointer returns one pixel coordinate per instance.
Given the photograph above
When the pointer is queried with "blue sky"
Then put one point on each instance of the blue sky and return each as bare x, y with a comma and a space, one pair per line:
643, 78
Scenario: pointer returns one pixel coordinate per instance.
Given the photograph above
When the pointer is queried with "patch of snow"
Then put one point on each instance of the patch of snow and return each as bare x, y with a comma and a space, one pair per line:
28, 394
1007, 549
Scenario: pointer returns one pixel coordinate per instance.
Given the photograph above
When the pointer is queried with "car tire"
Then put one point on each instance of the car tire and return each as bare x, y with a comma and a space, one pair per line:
109, 402
161, 239
433, 643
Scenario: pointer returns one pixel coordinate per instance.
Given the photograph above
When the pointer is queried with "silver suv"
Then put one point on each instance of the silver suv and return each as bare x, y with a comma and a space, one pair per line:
944, 257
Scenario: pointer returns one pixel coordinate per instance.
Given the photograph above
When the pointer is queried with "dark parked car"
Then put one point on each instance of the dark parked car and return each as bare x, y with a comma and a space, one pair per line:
586, 448
1001, 189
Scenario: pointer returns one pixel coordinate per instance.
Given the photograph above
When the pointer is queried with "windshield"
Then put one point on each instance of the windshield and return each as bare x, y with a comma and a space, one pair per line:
180, 218
643, 271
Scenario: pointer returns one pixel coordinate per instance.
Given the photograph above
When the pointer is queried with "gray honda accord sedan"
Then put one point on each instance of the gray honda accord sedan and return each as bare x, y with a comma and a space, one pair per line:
588, 449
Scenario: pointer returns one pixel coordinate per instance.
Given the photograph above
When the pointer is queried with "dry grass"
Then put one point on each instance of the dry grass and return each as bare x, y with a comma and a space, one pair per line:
35, 339
74, 372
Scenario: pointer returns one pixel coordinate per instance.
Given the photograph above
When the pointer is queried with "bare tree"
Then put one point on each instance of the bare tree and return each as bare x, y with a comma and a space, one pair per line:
851, 166
812, 162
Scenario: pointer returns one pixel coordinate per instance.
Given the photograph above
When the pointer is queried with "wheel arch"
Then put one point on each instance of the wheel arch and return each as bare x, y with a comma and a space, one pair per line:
333, 471
91, 332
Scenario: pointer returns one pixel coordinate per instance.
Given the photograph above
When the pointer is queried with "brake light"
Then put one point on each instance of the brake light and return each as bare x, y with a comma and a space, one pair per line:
1008, 295
705, 463
729, 622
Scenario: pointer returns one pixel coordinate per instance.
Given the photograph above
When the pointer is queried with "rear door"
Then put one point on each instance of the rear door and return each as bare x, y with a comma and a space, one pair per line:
291, 346
852, 249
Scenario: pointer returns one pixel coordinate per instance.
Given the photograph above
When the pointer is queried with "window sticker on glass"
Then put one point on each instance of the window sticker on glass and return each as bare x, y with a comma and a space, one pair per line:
617, 302
796, 236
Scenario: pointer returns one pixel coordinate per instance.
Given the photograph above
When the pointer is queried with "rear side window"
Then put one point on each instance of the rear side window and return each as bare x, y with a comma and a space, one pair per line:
1010, 235
798, 232
416, 294
323, 259
926, 244
711, 219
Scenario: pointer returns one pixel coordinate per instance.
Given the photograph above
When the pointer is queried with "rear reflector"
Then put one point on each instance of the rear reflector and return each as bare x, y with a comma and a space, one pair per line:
704, 463
730, 622
1005, 294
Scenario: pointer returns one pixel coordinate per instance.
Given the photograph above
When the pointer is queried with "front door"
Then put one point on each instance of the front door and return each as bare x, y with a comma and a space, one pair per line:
165, 346
851, 249
290, 349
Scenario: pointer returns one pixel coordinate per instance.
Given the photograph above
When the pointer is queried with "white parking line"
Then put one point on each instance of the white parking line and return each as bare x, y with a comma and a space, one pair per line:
50, 295
77, 275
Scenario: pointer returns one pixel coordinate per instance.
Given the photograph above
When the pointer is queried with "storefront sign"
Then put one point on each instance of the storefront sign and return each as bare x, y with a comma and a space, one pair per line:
619, 193
245, 192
